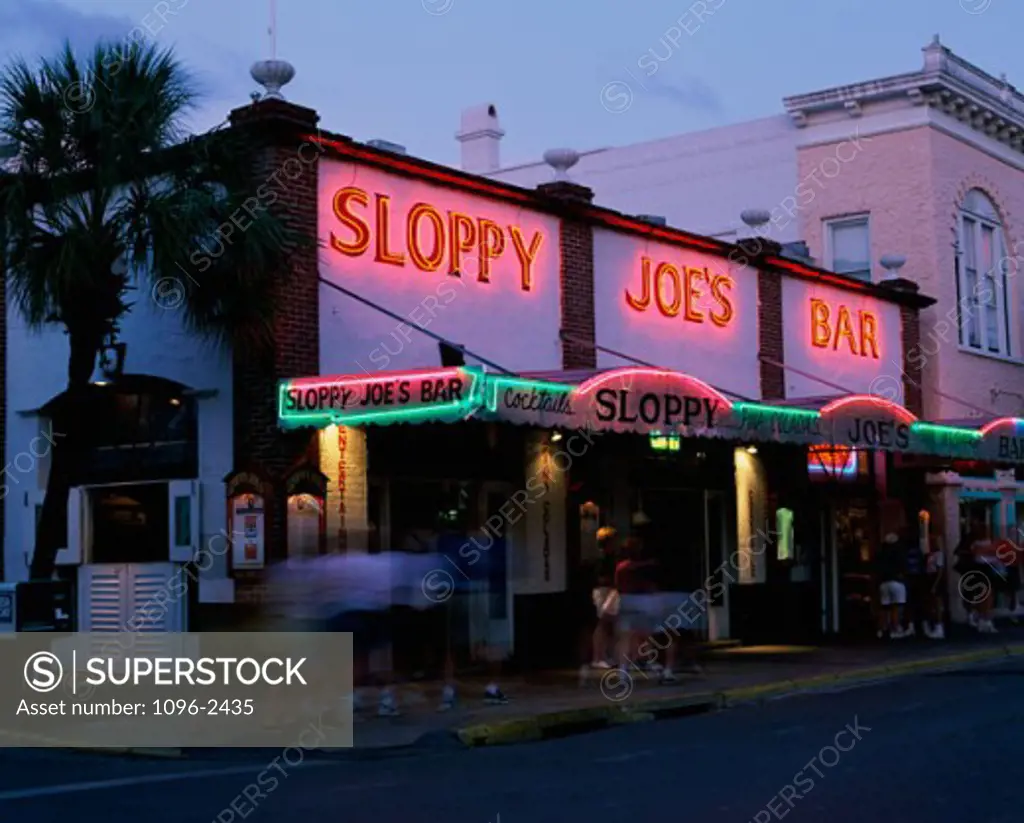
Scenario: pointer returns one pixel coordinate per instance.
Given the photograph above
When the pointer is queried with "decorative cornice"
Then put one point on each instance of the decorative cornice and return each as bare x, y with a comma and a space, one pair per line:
947, 83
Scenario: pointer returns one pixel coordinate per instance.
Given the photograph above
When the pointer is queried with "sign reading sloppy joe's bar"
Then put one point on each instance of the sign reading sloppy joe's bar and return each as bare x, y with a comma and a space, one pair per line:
357, 399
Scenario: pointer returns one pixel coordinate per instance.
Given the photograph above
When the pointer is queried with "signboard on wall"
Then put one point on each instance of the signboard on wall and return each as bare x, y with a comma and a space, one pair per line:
842, 337
478, 270
687, 310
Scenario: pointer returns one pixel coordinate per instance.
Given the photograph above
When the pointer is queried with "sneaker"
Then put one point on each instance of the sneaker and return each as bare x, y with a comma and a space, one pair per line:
989, 628
910, 631
938, 632
972, 619
897, 633
493, 696
447, 699
387, 706
600, 664
880, 634
695, 668
667, 676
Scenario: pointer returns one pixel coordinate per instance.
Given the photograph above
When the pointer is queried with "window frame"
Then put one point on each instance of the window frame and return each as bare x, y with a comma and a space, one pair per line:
975, 311
829, 226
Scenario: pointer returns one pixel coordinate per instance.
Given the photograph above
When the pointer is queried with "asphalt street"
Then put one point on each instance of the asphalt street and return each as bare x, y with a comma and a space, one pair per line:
938, 748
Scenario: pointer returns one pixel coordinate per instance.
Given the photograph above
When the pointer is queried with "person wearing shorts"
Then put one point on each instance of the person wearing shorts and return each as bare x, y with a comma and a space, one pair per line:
892, 591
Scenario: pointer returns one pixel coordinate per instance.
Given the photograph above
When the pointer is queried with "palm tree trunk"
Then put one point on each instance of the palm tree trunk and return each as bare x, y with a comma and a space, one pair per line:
70, 423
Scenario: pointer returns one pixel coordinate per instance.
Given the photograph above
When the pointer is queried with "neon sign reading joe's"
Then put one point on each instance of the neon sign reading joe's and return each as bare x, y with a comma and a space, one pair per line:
432, 239
694, 293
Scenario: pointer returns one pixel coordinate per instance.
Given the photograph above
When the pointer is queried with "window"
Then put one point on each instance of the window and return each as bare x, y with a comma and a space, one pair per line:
981, 277
847, 248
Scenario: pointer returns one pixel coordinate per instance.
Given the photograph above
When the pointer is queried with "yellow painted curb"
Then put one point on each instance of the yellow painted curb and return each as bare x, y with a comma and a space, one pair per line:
748, 692
631, 717
573, 716
522, 730
685, 702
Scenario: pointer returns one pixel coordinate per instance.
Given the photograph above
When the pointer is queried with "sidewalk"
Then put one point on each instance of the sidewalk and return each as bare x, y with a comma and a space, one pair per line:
557, 703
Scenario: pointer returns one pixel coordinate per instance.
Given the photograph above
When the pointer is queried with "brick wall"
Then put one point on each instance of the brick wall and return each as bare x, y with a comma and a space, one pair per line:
770, 334
289, 166
912, 183
913, 373
576, 241
3, 400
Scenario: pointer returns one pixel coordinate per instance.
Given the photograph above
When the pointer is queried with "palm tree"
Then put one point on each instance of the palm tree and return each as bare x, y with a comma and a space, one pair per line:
103, 194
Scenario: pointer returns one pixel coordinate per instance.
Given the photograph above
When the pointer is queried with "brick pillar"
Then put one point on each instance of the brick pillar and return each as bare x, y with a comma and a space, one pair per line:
3, 403
576, 242
288, 167
910, 336
913, 373
770, 334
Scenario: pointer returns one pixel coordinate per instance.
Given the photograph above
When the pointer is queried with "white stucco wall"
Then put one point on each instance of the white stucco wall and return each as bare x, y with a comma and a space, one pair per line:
500, 320
157, 345
723, 355
861, 373
699, 181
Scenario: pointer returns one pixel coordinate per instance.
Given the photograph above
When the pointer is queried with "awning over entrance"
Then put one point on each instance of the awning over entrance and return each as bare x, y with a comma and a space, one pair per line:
639, 400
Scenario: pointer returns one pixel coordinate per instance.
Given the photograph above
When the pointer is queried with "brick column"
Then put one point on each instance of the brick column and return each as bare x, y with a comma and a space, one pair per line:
576, 241
3, 403
288, 167
770, 334
910, 336
913, 373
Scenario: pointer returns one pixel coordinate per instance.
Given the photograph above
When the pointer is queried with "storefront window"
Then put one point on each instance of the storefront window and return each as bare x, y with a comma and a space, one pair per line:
416, 510
983, 512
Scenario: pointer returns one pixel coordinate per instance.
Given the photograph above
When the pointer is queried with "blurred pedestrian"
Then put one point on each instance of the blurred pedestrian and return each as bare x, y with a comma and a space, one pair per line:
987, 564
606, 598
935, 575
916, 581
890, 565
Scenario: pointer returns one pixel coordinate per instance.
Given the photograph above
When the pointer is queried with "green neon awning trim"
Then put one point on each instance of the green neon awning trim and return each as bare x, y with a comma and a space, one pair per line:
497, 382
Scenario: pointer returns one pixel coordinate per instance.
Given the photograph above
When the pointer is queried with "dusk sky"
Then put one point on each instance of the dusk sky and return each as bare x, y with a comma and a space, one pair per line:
403, 70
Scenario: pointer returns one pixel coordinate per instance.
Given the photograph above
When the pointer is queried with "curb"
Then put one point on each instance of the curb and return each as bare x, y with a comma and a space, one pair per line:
42, 741
548, 725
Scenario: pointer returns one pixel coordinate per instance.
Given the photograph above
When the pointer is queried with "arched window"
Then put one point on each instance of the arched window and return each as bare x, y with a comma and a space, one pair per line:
982, 289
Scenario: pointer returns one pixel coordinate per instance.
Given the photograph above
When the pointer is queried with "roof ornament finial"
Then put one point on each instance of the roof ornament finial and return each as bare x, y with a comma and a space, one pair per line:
561, 160
272, 74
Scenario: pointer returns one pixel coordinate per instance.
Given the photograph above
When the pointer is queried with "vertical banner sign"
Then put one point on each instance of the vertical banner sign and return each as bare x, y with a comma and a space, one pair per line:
542, 567
546, 517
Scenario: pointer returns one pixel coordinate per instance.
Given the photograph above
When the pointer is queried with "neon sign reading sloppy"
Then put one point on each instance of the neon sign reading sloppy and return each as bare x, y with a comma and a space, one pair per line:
687, 289
862, 342
432, 238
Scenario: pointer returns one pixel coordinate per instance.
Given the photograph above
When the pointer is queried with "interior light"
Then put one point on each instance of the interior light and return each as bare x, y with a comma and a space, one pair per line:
556, 436
175, 401
751, 449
